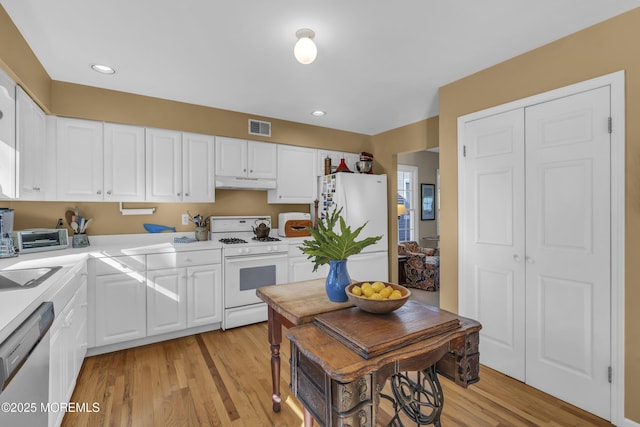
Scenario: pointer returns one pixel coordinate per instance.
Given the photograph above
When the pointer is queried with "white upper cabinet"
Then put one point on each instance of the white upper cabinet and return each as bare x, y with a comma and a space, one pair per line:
31, 133
7, 137
124, 178
297, 175
179, 166
198, 167
163, 165
231, 156
262, 160
79, 160
241, 158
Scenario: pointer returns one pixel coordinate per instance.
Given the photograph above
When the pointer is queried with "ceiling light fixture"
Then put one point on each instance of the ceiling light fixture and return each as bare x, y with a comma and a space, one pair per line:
318, 113
103, 69
305, 49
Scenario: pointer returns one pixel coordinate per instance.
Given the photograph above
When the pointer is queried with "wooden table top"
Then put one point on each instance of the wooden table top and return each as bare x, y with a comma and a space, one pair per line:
346, 365
300, 302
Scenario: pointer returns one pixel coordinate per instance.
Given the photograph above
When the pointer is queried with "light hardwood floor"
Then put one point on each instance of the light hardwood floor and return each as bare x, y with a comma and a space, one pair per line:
224, 379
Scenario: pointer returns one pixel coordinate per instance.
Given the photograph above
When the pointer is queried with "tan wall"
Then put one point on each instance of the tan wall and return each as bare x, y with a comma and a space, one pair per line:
415, 137
17, 59
598, 50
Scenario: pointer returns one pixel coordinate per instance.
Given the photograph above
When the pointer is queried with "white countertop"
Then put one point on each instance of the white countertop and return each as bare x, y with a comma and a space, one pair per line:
17, 305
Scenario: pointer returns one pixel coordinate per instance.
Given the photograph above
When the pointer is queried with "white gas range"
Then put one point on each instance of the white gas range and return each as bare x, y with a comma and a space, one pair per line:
248, 263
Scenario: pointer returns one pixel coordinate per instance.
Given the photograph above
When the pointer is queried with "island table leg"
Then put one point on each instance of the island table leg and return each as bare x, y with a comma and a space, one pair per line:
275, 338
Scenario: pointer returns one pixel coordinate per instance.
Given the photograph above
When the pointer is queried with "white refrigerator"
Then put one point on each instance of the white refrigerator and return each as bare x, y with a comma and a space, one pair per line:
363, 198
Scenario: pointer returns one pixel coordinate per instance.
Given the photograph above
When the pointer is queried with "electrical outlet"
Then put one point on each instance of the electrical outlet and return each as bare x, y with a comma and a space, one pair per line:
185, 219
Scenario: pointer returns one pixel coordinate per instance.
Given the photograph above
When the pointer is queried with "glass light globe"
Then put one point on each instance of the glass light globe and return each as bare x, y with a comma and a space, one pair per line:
305, 50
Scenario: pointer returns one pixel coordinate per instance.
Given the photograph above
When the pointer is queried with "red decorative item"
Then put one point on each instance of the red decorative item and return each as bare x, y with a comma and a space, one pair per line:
342, 167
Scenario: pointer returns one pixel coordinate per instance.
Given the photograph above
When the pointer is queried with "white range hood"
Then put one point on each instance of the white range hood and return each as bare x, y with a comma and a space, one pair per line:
242, 183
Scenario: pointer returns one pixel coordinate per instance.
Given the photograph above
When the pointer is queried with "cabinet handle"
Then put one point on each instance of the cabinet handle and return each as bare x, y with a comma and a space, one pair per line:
516, 257
251, 170
186, 194
244, 170
1, 114
99, 191
179, 194
188, 260
109, 192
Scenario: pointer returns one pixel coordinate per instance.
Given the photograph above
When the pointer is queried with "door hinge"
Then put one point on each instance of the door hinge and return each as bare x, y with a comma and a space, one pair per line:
609, 373
610, 123
464, 151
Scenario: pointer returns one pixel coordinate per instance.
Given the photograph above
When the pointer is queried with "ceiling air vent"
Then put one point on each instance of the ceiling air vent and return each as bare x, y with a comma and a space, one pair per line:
256, 127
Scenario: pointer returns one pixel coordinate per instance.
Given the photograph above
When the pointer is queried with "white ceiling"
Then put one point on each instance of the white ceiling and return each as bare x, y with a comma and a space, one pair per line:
379, 63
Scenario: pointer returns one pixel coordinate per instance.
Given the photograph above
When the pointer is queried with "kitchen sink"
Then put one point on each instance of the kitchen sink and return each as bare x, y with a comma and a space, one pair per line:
25, 278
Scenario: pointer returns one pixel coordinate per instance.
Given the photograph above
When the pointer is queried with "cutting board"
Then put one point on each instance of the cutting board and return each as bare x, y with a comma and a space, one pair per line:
371, 335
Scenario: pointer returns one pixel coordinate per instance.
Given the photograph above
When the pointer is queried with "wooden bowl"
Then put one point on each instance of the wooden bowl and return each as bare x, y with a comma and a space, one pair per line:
378, 306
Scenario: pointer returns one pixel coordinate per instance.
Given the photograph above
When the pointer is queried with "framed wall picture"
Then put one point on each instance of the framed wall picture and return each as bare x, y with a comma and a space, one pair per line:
428, 202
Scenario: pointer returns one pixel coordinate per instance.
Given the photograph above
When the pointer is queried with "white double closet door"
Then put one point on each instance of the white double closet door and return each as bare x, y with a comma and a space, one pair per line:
535, 249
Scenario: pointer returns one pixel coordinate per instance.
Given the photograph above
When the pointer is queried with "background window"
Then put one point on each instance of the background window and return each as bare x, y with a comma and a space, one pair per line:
407, 193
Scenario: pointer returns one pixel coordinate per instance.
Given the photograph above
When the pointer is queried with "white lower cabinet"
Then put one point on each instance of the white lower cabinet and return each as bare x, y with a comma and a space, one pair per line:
144, 296
204, 295
166, 300
188, 295
120, 308
68, 347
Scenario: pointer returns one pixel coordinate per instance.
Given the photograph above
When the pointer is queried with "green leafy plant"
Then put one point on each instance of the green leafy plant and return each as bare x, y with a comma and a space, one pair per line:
328, 245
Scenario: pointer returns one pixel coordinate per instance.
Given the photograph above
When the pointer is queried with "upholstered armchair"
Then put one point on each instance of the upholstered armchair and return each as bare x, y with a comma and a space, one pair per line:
422, 269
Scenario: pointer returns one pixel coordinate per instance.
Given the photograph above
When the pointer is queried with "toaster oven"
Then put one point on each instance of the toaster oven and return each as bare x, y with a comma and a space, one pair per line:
41, 239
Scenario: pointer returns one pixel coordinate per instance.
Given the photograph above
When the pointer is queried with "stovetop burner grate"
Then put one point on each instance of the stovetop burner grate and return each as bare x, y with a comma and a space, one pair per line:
232, 240
266, 239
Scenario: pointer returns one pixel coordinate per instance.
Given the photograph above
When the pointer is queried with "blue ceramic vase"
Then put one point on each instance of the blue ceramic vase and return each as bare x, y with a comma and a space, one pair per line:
337, 280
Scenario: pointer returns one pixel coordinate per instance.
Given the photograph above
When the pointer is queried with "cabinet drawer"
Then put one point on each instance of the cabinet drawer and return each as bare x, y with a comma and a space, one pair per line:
119, 264
349, 395
183, 259
359, 417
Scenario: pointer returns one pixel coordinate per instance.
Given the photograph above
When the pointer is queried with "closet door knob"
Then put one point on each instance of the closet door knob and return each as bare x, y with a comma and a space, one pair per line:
516, 258
529, 260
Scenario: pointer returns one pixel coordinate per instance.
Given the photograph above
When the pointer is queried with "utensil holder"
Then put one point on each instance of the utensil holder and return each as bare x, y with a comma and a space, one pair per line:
202, 234
80, 241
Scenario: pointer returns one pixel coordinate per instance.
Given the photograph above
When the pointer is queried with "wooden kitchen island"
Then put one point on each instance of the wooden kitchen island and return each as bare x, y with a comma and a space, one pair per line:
291, 305
338, 373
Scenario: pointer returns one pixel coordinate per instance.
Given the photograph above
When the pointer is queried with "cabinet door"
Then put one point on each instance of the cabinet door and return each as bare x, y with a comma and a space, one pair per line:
166, 300
124, 160
297, 175
30, 142
231, 156
302, 269
56, 371
79, 328
198, 173
120, 308
7, 137
204, 295
163, 165
79, 159
262, 159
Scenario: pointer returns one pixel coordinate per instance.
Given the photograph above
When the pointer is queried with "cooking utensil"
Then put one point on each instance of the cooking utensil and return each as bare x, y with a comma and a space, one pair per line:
261, 230
74, 227
86, 225
68, 215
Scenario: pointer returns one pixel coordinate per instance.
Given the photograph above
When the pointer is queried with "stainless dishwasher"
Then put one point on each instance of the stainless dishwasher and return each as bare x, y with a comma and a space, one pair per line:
24, 371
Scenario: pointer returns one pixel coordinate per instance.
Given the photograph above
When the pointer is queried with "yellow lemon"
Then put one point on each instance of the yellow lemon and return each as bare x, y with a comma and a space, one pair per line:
385, 292
395, 295
367, 292
356, 290
377, 286
365, 285
375, 296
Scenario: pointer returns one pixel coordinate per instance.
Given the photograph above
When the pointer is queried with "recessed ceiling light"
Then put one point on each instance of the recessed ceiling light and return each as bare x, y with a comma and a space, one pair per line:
104, 69
318, 113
